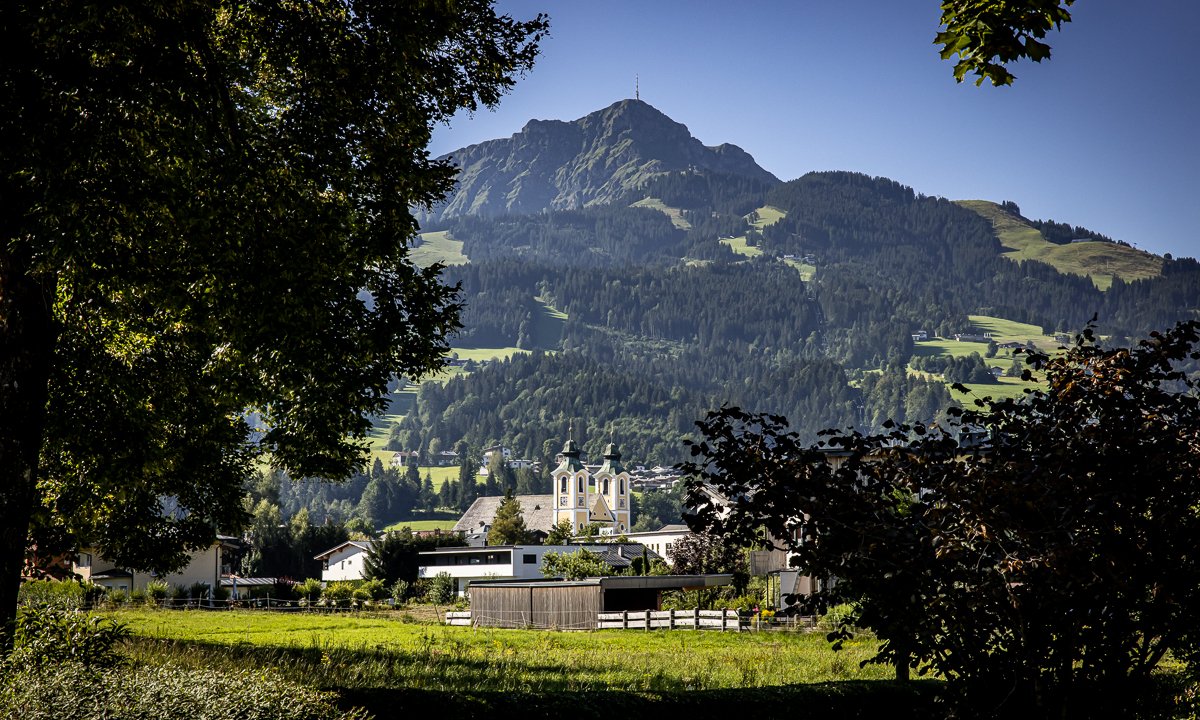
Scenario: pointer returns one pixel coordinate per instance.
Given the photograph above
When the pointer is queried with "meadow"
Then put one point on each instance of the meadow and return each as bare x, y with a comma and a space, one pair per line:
395, 665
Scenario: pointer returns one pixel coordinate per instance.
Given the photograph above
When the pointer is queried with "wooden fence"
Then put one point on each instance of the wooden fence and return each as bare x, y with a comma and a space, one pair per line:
673, 620
458, 618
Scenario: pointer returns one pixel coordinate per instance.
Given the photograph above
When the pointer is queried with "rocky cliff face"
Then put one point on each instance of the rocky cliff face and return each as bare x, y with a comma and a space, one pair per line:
596, 159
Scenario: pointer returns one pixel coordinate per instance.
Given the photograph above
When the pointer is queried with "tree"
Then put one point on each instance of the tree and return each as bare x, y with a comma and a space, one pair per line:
986, 35
561, 533
396, 555
508, 527
206, 210
1050, 567
582, 563
705, 553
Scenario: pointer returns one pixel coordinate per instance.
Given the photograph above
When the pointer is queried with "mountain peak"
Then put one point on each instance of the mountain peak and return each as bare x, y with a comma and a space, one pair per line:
596, 159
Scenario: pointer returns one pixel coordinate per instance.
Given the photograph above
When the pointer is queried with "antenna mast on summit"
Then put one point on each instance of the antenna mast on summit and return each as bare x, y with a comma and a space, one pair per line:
637, 89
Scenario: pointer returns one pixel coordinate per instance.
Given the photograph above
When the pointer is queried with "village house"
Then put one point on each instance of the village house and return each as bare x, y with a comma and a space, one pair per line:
204, 567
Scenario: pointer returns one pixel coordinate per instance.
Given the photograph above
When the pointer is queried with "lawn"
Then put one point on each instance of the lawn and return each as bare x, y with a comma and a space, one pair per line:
385, 650
397, 667
1099, 260
438, 247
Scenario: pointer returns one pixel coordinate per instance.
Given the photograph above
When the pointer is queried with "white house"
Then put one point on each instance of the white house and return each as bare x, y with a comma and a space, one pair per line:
515, 562
661, 541
204, 567
344, 562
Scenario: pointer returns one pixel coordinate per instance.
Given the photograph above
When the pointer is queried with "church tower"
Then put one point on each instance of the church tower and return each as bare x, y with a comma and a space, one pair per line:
582, 499
612, 481
570, 480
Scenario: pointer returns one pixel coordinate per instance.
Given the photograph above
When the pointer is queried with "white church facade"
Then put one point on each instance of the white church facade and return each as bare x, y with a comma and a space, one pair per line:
583, 498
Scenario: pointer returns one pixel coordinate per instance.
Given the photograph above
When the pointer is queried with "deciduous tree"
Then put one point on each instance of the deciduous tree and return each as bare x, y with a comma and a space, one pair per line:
206, 210
1045, 563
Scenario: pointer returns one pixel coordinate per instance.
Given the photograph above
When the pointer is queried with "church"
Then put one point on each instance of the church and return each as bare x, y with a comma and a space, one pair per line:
583, 498
579, 495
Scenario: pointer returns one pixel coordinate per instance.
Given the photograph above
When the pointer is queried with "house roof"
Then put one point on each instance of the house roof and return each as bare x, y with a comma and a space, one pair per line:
363, 545
537, 510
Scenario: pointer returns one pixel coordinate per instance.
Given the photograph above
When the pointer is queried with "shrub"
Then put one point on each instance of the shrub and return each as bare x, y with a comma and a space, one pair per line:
309, 590
137, 597
441, 589
156, 591
66, 594
338, 593
49, 636
115, 597
401, 591
164, 692
361, 595
374, 589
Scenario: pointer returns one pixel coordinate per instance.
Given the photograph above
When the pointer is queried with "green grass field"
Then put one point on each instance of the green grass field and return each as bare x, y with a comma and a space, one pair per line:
438, 247
739, 246
675, 214
806, 271
1099, 260
459, 659
395, 666
767, 215
422, 524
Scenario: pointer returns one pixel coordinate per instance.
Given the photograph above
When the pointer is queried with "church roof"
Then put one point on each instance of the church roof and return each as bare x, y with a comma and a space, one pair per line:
537, 510
612, 461
600, 511
570, 462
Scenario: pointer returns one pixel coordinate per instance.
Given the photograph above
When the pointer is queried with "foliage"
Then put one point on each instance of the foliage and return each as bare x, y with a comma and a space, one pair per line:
508, 527
339, 592
401, 591
582, 563
561, 533
441, 590
166, 692
62, 594
395, 556
207, 210
156, 591
1046, 568
309, 589
374, 589
986, 35
45, 637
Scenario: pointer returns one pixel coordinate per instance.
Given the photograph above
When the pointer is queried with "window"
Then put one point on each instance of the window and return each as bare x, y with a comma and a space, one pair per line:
529, 559
562, 485
604, 485
622, 486
85, 560
580, 483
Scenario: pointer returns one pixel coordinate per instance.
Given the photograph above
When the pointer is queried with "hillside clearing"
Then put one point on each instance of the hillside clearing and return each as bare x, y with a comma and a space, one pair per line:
676, 215
1101, 261
739, 246
438, 247
764, 216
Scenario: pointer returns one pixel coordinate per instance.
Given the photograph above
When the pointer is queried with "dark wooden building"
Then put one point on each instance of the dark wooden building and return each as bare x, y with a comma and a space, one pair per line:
574, 604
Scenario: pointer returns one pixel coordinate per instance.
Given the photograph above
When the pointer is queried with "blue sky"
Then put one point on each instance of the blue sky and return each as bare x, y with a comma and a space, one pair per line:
1104, 134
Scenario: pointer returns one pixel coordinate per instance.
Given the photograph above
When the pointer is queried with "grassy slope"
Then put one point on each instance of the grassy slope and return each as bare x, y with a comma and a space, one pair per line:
438, 247
1099, 260
1003, 331
422, 524
675, 214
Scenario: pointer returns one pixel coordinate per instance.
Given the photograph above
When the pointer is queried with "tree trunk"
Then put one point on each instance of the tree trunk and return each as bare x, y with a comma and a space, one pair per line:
27, 340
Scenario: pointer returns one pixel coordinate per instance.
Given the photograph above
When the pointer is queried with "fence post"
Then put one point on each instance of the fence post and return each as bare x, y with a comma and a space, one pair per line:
696, 619
724, 620
624, 619
647, 616
671, 619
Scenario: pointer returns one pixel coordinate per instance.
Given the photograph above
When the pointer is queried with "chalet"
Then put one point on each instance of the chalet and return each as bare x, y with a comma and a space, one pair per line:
344, 562
204, 567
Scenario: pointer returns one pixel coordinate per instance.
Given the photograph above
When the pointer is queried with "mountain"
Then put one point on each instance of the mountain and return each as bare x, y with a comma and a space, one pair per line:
597, 159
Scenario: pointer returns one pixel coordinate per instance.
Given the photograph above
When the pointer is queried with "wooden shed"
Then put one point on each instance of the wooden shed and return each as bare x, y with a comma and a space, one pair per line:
573, 604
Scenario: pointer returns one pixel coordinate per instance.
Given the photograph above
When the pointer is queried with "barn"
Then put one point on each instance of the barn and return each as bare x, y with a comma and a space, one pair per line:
574, 604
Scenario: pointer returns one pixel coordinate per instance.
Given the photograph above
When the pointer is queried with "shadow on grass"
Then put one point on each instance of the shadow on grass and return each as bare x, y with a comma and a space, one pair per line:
846, 699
